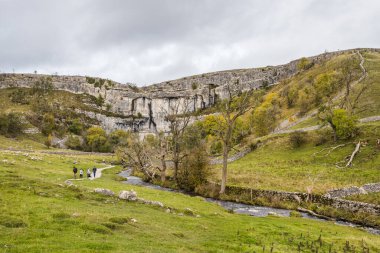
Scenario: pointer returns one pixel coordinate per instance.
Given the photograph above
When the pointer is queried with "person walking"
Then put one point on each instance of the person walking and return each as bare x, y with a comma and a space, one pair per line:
88, 173
81, 173
94, 171
75, 170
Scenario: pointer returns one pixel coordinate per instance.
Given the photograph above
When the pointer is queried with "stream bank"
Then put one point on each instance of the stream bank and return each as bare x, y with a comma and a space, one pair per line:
241, 208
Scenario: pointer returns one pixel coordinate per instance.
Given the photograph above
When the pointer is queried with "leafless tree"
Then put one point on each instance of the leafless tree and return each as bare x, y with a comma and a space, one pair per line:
231, 108
178, 117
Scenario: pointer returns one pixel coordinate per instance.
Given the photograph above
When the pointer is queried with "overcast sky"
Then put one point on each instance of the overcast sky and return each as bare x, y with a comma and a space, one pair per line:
149, 41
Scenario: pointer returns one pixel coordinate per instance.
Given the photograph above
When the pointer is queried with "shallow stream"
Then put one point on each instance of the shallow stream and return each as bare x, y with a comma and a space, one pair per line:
258, 211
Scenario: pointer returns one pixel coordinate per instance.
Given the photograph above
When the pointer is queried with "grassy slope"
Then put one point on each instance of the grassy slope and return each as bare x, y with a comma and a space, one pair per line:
278, 166
66, 219
369, 103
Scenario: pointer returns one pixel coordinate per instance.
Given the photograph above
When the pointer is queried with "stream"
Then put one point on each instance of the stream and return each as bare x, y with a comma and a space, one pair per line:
252, 210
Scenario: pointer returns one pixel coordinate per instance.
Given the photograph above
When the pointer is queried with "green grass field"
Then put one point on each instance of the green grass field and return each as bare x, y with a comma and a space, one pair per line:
279, 166
39, 213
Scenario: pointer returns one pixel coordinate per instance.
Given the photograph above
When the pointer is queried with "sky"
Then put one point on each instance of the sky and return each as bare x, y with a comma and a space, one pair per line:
150, 41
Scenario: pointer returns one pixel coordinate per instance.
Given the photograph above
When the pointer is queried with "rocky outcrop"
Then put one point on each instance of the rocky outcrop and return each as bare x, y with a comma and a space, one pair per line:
143, 109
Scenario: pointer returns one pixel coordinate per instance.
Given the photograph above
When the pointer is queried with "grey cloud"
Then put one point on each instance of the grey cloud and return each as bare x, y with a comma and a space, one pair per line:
157, 40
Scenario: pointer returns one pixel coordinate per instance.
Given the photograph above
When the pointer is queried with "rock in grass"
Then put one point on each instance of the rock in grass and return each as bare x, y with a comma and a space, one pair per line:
189, 212
128, 195
151, 202
104, 191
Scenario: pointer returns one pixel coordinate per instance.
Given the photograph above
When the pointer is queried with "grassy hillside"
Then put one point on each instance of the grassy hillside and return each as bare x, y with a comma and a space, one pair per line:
277, 165
40, 214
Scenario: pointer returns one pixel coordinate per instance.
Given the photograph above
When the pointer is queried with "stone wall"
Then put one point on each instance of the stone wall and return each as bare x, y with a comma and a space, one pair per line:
353, 190
249, 195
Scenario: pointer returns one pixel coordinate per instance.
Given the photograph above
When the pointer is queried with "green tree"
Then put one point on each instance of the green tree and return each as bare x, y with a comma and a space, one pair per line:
344, 123
96, 139
48, 124
73, 142
119, 138
11, 124
75, 126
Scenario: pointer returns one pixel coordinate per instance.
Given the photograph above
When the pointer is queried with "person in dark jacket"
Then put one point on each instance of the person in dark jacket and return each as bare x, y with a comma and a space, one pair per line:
94, 171
75, 170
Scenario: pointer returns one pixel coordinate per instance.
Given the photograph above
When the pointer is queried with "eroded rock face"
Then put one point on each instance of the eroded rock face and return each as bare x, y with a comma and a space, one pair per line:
144, 109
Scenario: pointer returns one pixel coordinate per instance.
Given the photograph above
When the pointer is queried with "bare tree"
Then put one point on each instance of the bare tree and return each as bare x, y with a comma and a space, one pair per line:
178, 116
137, 155
231, 108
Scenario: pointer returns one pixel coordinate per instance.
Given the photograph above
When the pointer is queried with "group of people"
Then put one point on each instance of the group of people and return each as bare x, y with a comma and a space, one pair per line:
81, 172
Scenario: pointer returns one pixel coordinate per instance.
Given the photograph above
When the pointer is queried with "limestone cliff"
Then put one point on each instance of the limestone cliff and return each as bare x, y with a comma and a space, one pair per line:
143, 109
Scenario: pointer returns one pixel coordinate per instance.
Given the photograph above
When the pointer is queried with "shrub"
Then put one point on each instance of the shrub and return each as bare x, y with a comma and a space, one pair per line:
344, 123
73, 142
20, 97
304, 64
75, 126
90, 80
99, 101
11, 124
194, 169
119, 220
297, 139
42, 86
194, 86
48, 124
96, 139
216, 148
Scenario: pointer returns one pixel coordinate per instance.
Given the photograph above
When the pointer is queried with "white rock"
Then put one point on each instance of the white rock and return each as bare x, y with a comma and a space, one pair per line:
104, 191
128, 195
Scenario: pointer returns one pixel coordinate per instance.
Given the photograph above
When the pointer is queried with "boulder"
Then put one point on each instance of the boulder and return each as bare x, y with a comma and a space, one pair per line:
104, 191
128, 195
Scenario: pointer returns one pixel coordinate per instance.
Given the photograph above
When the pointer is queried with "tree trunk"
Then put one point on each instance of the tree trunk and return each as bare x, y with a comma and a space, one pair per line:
224, 168
163, 170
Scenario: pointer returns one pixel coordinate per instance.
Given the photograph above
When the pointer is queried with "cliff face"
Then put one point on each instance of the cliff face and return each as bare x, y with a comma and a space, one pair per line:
144, 109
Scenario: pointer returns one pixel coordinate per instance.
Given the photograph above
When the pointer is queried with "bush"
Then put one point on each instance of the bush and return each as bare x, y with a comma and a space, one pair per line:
42, 86
216, 148
304, 64
11, 124
119, 220
194, 169
297, 139
20, 97
90, 80
194, 86
344, 123
73, 142
48, 124
76, 126
96, 140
